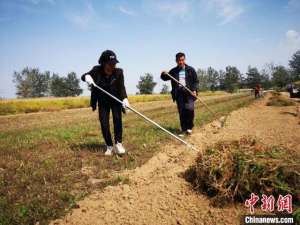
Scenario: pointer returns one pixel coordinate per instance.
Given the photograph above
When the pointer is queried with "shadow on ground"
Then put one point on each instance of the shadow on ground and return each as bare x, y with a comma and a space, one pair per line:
91, 147
172, 129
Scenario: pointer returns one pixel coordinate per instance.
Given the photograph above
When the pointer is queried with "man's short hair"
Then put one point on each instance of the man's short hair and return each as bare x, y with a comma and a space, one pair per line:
179, 55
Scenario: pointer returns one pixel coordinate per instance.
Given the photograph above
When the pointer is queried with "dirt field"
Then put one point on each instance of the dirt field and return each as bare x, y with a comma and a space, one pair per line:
157, 193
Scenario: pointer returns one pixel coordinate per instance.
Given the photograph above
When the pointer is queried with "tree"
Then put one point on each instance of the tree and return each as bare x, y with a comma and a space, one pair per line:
30, 83
281, 76
232, 77
253, 77
65, 86
243, 82
294, 64
265, 79
72, 85
213, 78
266, 74
146, 84
165, 89
57, 86
222, 79
203, 80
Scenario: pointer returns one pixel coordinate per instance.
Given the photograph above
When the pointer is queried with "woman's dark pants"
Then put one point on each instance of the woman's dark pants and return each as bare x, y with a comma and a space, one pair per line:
104, 112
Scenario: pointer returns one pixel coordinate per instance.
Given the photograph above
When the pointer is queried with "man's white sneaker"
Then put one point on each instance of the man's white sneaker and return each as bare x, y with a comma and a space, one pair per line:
109, 150
120, 149
189, 132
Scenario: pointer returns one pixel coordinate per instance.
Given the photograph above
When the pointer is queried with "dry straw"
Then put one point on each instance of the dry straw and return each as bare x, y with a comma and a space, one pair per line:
231, 171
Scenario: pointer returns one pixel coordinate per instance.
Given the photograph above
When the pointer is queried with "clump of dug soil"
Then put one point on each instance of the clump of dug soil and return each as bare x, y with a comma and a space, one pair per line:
231, 171
278, 100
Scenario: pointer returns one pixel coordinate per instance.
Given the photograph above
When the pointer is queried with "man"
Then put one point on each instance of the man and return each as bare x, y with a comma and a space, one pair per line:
294, 89
111, 79
290, 89
187, 76
257, 91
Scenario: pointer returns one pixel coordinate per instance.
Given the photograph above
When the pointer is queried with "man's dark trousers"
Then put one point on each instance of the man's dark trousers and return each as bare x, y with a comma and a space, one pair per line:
185, 106
104, 112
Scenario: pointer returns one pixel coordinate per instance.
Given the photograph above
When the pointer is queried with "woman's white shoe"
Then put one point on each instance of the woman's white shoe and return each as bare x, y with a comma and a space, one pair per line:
120, 149
109, 150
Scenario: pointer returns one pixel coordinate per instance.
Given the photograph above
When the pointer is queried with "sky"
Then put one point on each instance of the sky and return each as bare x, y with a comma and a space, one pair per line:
63, 35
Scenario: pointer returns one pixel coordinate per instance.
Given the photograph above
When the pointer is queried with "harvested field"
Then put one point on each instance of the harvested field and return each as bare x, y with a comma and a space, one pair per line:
51, 104
157, 193
51, 160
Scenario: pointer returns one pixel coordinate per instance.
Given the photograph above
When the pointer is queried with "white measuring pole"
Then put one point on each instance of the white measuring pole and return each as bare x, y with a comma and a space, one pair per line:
186, 88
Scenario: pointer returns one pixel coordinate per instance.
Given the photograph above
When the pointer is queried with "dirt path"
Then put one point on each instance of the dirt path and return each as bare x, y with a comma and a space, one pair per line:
157, 194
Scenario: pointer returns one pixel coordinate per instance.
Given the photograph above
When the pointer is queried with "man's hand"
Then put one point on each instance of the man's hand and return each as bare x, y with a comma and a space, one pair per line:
89, 79
125, 103
164, 72
194, 93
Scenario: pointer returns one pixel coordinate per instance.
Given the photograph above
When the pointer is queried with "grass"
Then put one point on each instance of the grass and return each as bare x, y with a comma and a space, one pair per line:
49, 104
43, 157
231, 171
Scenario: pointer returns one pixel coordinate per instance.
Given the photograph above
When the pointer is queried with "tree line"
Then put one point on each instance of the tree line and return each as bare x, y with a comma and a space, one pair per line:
31, 82
231, 79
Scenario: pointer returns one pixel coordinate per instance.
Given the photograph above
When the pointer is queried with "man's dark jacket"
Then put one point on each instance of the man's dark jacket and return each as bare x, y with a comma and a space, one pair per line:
114, 84
191, 79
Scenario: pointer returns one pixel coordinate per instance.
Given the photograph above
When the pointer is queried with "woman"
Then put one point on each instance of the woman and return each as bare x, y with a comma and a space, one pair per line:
111, 79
